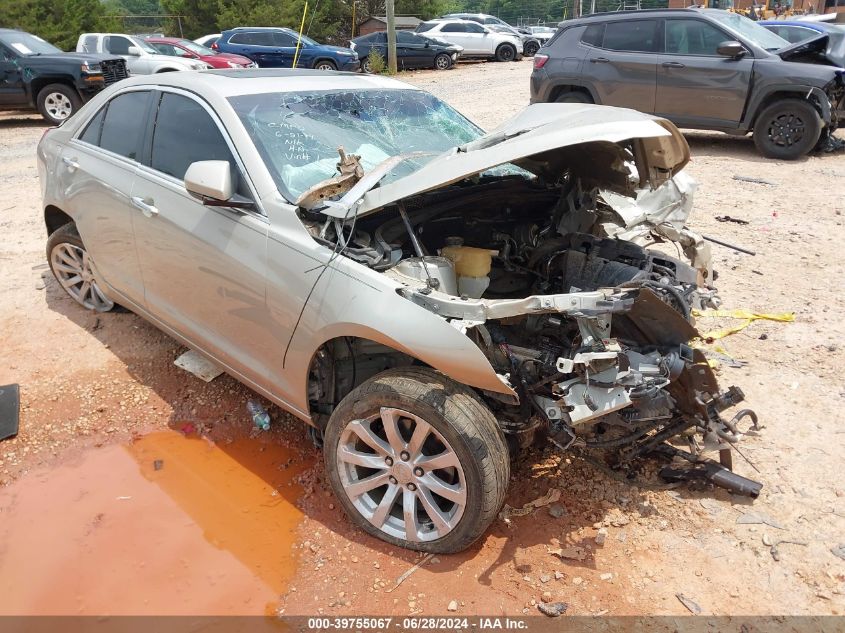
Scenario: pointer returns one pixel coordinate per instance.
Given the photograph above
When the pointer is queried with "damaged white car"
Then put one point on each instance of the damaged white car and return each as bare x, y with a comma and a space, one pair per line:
428, 297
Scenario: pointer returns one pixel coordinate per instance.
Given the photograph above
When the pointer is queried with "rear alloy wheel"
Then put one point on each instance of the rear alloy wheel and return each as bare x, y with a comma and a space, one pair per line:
417, 460
325, 64
72, 267
442, 62
787, 129
365, 65
531, 49
58, 102
505, 53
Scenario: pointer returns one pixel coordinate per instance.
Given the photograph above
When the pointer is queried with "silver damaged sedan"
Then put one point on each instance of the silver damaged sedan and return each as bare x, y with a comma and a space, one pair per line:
428, 297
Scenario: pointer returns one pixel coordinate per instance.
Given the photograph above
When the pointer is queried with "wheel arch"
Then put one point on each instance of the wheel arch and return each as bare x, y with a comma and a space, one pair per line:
560, 89
324, 59
39, 83
814, 96
55, 218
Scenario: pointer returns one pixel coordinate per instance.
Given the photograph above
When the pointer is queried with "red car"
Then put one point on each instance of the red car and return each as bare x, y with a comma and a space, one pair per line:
178, 47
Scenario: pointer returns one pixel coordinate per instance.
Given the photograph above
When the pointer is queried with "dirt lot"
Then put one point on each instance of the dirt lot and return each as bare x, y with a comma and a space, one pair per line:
131, 473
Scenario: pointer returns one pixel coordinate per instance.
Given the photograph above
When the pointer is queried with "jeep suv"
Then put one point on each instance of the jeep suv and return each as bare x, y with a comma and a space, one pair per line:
271, 47
700, 68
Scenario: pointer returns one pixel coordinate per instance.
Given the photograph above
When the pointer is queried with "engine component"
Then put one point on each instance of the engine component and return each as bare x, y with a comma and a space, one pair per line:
439, 270
472, 266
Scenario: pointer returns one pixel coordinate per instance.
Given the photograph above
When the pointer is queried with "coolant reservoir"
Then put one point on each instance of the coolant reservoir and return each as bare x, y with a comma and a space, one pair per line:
472, 266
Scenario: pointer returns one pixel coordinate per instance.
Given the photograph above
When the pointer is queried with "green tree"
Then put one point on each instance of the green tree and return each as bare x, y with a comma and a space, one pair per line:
57, 21
199, 17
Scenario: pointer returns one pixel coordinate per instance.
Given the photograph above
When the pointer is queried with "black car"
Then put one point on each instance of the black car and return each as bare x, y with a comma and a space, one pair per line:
34, 74
412, 50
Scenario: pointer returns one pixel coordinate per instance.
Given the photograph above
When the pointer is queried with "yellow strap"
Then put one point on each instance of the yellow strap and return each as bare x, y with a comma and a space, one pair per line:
747, 316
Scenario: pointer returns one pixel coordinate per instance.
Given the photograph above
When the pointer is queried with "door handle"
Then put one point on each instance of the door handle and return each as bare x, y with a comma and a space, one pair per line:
599, 60
673, 65
72, 164
146, 206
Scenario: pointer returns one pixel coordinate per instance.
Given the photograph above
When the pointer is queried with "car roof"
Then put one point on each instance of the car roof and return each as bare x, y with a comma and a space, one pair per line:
458, 20
168, 40
612, 15
232, 83
816, 26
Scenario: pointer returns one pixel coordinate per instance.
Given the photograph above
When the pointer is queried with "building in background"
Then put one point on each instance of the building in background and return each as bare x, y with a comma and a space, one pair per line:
376, 23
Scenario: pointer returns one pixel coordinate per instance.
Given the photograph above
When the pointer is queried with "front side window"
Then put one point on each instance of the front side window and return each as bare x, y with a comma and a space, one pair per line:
117, 45
281, 38
425, 26
185, 133
693, 37
298, 133
123, 124
454, 28
749, 29
636, 36
475, 28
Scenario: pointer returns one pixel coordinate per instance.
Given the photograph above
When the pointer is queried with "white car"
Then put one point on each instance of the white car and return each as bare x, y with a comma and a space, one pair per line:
477, 40
141, 58
208, 40
542, 33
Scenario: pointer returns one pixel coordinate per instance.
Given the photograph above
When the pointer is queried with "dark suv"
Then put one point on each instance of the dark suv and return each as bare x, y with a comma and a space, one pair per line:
36, 75
271, 47
700, 68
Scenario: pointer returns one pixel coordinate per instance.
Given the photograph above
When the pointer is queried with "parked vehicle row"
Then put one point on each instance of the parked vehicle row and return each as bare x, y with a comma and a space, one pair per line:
141, 58
476, 40
412, 50
700, 68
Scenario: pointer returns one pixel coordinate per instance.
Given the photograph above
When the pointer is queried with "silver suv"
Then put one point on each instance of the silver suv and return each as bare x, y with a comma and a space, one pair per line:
428, 298
699, 68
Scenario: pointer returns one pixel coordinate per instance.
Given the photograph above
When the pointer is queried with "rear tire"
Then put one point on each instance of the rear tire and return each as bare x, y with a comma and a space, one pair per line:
574, 96
365, 66
787, 129
461, 434
71, 266
442, 62
57, 103
505, 53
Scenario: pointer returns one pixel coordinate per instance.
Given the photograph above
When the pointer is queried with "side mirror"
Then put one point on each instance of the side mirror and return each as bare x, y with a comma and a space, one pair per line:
731, 49
427, 44
209, 179
134, 51
211, 182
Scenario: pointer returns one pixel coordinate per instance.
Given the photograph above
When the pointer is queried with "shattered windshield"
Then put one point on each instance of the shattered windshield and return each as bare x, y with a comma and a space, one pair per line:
760, 35
298, 133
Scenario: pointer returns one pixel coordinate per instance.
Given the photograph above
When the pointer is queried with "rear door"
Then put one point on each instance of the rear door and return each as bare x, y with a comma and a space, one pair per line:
623, 68
97, 170
456, 32
203, 267
285, 48
12, 90
695, 85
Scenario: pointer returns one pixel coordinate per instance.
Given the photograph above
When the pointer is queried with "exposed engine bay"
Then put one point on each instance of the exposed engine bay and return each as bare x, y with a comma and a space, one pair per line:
562, 289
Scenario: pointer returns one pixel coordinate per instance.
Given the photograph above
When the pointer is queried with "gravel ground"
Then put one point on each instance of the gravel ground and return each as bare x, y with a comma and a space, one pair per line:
89, 382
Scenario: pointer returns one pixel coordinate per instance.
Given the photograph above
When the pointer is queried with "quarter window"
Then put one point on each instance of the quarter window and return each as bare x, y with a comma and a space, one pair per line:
593, 35
638, 36
124, 123
92, 131
184, 134
693, 37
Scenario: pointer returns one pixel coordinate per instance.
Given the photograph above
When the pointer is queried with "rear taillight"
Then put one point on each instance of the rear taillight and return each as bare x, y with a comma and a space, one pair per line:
540, 61
214, 46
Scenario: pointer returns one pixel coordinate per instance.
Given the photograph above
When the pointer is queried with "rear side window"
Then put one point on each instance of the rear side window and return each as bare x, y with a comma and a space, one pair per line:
693, 37
253, 39
593, 35
123, 124
454, 28
185, 133
638, 36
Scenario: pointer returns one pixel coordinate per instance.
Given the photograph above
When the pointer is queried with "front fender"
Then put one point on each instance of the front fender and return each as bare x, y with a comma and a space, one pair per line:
351, 300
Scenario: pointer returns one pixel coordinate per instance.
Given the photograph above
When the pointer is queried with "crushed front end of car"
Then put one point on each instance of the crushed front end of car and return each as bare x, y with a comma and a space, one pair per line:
559, 245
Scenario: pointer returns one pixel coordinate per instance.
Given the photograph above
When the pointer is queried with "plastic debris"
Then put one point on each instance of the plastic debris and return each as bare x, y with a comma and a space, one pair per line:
691, 605
198, 365
756, 181
408, 573
259, 415
757, 518
572, 552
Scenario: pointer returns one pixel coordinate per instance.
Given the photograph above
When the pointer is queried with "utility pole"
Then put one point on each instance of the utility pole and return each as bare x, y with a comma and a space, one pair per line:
391, 37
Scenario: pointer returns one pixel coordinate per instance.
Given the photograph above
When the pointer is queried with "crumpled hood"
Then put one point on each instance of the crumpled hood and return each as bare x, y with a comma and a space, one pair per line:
546, 139
832, 45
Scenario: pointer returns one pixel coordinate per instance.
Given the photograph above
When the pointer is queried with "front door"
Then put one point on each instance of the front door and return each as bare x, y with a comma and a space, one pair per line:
696, 85
411, 50
623, 68
12, 91
203, 267
97, 170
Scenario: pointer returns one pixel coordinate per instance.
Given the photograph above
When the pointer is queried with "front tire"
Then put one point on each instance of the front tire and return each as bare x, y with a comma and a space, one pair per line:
787, 129
530, 49
71, 266
442, 62
505, 53
57, 103
417, 460
325, 64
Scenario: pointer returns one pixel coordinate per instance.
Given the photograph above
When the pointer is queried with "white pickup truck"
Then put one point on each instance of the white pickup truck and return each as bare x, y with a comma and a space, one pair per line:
141, 58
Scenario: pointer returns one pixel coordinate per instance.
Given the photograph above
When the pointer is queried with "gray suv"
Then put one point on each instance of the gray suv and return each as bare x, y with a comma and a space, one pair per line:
700, 68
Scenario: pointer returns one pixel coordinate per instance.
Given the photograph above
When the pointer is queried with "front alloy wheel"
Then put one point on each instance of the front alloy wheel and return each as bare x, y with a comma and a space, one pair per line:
787, 129
417, 460
402, 475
